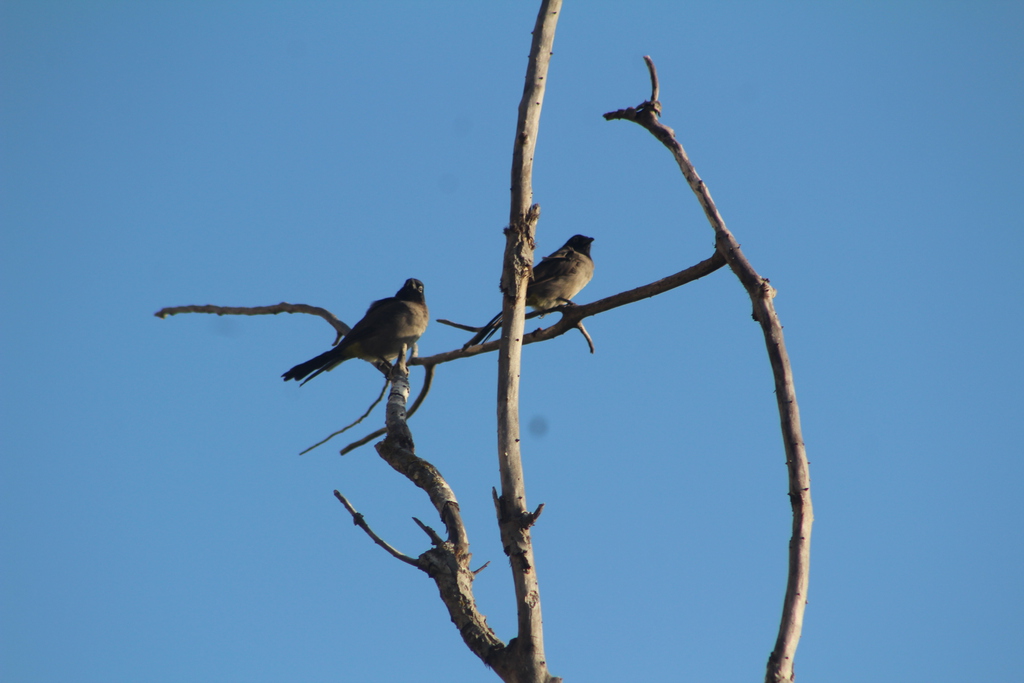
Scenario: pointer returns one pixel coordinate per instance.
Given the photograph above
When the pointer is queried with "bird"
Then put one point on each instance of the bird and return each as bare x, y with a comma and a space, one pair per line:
556, 280
387, 326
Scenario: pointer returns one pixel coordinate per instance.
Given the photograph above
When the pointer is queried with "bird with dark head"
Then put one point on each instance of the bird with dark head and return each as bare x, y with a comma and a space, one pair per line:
555, 281
389, 324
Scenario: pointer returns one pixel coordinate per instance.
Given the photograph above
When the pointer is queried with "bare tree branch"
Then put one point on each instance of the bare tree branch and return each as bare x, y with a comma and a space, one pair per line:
398, 451
586, 335
359, 521
341, 328
780, 663
574, 313
655, 88
447, 562
362, 417
431, 534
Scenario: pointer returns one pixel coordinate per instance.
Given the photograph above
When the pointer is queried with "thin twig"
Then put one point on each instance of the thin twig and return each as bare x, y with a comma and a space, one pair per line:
362, 417
359, 521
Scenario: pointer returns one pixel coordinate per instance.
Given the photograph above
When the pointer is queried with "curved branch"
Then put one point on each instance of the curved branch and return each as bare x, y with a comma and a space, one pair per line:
586, 335
655, 88
341, 328
780, 663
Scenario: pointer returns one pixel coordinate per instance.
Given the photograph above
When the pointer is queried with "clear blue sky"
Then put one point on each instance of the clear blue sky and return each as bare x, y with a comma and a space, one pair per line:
156, 523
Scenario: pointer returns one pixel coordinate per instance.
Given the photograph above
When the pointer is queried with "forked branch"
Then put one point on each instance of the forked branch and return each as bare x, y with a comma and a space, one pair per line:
447, 562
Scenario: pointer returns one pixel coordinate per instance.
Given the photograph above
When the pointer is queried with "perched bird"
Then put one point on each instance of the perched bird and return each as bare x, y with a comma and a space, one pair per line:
556, 279
387, 325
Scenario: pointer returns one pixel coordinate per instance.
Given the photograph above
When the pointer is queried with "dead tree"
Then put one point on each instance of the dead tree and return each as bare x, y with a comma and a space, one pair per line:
522, 659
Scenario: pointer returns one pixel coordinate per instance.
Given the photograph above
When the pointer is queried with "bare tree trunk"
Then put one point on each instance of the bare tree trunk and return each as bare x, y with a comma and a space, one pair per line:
514, 519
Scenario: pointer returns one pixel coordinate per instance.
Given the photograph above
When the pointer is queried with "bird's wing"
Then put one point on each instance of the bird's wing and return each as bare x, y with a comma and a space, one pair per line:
563, 262
379, 310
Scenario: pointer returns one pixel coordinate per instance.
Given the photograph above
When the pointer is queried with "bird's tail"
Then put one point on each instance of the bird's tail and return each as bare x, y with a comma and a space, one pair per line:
485, 333
314, 366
